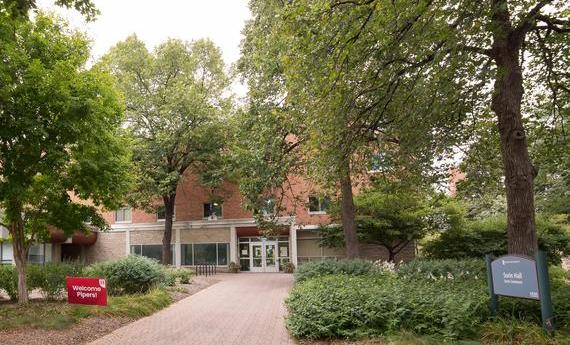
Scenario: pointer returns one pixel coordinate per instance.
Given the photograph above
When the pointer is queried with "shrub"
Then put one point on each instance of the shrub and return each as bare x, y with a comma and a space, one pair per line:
9, 281
344, 306
288, 267
184, 275
326, 267
488, 236
50, 278
233, 267
512, 331
453, 269
131, 274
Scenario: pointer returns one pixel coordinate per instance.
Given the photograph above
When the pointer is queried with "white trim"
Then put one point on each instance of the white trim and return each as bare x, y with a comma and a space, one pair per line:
233, 244
196, 224
316, 212
177, 248
293, 243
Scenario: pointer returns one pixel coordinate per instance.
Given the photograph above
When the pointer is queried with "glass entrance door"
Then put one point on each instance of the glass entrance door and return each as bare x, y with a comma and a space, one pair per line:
263, 256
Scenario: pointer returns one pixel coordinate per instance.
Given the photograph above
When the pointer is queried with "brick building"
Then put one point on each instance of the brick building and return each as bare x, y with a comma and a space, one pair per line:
208, 232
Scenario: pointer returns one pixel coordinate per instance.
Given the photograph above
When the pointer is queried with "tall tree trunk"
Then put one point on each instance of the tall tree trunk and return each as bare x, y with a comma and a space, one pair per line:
506, 103
168, 221
348, 215
20, 250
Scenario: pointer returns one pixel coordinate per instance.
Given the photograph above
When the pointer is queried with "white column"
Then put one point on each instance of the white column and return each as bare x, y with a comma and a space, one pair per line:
293, 242
233, 244
177, 248
127, 242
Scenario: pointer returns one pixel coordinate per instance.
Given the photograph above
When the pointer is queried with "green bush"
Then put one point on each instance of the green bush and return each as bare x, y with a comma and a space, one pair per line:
131, 274
445, 299
326, 267
452, 269
50, 278
488, 236
9, 281
343, 306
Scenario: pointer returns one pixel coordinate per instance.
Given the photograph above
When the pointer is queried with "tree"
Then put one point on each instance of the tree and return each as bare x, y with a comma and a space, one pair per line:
60, 135
287, 59
444, 65
175, 102
391, 215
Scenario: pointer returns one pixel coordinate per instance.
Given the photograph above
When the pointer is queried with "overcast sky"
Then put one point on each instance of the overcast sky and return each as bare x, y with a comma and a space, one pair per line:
154, 21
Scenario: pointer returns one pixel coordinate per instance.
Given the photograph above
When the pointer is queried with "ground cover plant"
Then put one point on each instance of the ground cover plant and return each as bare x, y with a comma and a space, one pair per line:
60, 315
443, 299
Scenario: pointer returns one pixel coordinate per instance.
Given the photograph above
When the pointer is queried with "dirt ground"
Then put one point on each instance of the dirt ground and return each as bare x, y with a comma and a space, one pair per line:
91, 328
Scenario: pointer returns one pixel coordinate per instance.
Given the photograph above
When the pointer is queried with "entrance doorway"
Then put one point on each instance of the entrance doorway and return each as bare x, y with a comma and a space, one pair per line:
263, 256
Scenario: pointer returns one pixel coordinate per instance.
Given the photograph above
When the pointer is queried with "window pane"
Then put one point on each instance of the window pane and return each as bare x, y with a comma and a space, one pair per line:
244, 264
283, 249
161, 213
222, 254
7, 254
325, 202
123, 215
244, 250
207, 210
187, 255
36, 254
152, 251
313, 204
205, 254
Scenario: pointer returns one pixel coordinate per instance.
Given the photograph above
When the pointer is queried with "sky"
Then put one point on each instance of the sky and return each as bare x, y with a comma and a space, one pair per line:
155, 21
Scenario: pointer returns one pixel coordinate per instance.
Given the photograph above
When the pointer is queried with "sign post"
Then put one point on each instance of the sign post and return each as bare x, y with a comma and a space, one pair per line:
91, 291
521, 277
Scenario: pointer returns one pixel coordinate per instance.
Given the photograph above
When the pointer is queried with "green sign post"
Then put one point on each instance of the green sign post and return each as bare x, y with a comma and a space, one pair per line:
521, 277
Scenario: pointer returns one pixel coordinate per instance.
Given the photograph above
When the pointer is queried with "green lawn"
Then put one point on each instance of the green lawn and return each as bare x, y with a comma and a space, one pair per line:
60, 315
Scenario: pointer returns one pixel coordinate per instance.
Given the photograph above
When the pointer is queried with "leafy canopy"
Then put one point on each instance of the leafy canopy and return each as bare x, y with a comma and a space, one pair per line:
60, 131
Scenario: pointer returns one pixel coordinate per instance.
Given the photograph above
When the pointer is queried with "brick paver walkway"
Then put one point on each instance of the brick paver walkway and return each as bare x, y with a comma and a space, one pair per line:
244, 308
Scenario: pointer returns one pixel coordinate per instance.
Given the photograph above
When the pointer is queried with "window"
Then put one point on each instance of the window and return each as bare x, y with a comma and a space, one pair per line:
153, 251
123, 215
318, 204
268, 207
37, 254
205, 254
6, 254
161, 214
213, 209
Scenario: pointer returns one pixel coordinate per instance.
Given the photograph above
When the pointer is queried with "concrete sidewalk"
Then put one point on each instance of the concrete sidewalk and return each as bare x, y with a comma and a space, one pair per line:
244, 308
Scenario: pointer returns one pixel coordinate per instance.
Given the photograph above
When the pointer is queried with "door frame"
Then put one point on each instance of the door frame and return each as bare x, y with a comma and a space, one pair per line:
264, 243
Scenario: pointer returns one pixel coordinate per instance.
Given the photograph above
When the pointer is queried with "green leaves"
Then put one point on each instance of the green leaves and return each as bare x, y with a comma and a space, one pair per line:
175, 106
59, 129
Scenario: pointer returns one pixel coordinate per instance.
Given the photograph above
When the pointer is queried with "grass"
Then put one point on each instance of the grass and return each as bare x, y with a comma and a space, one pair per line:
60, 315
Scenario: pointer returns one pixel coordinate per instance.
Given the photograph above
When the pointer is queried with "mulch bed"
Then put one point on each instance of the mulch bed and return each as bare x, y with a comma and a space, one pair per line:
91, 328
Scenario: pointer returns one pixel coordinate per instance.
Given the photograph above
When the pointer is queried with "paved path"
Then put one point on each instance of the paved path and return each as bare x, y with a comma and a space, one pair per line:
242, 309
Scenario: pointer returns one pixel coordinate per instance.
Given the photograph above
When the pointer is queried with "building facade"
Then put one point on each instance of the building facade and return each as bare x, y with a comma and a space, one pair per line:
210, 232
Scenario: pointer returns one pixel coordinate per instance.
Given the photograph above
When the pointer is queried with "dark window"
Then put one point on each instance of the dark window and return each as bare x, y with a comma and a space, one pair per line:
187, 256
222, 254
318, 204
212, 209
153, 251
161, 213
205, 254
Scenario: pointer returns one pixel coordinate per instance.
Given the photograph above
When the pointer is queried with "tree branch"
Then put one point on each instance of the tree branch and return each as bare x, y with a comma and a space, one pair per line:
527, 21
553, 24
473, 49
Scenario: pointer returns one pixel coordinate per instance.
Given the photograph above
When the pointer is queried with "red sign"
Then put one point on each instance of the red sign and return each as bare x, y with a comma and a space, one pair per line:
86, 291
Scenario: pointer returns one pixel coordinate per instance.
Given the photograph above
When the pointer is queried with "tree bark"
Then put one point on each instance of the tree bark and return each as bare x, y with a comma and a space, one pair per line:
348, 216
506, 103
20, 250
168, 221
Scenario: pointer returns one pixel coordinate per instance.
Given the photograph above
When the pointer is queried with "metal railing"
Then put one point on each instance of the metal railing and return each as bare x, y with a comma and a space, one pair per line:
206, 270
